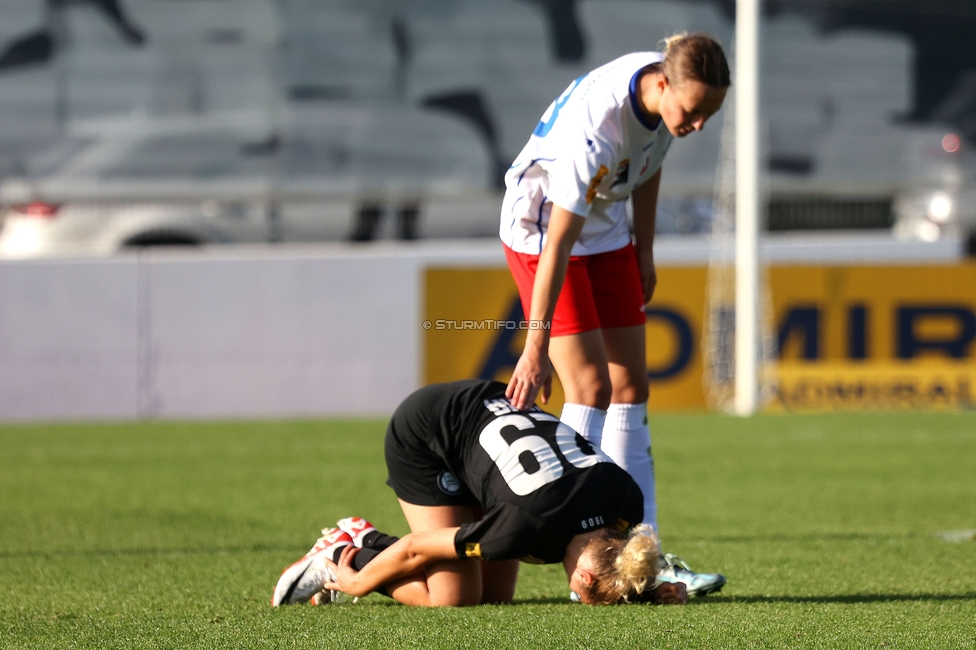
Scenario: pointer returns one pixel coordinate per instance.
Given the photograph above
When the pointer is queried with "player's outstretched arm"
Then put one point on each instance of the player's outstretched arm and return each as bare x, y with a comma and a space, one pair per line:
533, 372
409, 555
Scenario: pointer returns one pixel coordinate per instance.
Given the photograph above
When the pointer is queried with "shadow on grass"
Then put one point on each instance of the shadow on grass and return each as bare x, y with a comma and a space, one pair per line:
811, 537
849, 599
846, 599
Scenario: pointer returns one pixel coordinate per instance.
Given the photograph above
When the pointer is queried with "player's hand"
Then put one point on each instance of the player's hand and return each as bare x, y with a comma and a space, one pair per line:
648, 277
344, 572
671, 593
533, 374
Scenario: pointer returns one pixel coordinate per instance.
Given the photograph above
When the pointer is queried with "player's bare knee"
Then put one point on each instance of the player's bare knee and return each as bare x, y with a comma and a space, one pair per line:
603, 396
454, 583
629, 386
465, 596
595, 393
498, 596
597, 399
498, 580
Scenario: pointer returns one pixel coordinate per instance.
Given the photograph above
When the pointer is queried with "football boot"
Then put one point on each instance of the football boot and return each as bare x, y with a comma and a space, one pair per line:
674, 569
303, 580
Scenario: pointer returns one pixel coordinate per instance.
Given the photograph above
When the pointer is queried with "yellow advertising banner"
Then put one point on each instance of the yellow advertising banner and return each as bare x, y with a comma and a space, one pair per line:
847, 385
849, 337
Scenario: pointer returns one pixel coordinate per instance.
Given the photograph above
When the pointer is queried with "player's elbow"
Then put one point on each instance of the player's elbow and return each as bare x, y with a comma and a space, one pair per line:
557, 248
414, 555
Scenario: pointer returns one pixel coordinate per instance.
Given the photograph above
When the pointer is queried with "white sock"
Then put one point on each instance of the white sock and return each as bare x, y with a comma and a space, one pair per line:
627, 440
585, 420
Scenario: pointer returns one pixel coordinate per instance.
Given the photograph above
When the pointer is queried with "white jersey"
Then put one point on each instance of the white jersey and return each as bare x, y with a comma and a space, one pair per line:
590, 150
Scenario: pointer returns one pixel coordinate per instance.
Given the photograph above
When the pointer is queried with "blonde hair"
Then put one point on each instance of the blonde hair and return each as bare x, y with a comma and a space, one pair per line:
698, 57
623, 564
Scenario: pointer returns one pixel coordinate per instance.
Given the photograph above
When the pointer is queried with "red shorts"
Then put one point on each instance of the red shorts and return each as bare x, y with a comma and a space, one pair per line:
600, 291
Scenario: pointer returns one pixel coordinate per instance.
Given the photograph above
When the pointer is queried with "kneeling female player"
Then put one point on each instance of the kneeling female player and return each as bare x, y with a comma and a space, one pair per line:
484, 485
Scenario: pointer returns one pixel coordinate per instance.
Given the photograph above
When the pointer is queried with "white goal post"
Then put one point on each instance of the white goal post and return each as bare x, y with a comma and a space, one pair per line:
738, 341
747, 207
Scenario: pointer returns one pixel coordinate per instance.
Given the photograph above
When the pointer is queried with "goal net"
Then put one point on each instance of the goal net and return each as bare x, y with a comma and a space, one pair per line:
718, 332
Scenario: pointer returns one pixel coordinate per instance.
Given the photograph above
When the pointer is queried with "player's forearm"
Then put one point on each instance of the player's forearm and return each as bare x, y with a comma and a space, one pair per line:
408, 556
392, 564
549, 278
645, 214
550, 274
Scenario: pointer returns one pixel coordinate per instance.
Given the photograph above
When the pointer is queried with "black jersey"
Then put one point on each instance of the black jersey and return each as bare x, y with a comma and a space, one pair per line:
538, 482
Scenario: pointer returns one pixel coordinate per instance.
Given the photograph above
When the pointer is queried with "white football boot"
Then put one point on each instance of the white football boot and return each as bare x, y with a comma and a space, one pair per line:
674, 569
303, 580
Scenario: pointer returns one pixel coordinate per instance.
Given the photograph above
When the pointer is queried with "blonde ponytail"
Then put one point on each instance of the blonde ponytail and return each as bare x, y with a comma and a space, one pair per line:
637, 563
623, 564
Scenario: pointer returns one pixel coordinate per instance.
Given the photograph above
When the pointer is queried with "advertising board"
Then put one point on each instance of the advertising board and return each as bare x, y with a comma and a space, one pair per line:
848, 336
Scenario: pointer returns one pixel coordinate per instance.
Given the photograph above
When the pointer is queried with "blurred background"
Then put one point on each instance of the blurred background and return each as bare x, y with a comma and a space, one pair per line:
189, 188
147, 122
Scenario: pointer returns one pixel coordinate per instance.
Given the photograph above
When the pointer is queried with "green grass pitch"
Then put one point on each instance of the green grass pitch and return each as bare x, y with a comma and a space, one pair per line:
172, 535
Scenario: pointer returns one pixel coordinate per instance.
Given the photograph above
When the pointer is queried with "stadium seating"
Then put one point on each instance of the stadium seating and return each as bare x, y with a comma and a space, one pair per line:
436, 92
337, 51
832, 101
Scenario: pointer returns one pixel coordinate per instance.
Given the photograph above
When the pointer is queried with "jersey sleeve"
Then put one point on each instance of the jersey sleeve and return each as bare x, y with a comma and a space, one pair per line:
587, 160
506, 532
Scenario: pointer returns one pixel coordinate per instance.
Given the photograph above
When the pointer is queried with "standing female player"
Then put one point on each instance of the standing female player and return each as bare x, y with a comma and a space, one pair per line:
568, 244
483, 485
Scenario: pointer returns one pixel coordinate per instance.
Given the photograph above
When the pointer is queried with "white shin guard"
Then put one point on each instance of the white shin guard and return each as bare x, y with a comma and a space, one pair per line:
627, 440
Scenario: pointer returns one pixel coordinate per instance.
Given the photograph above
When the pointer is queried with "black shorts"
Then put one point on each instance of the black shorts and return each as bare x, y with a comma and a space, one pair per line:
417, 474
